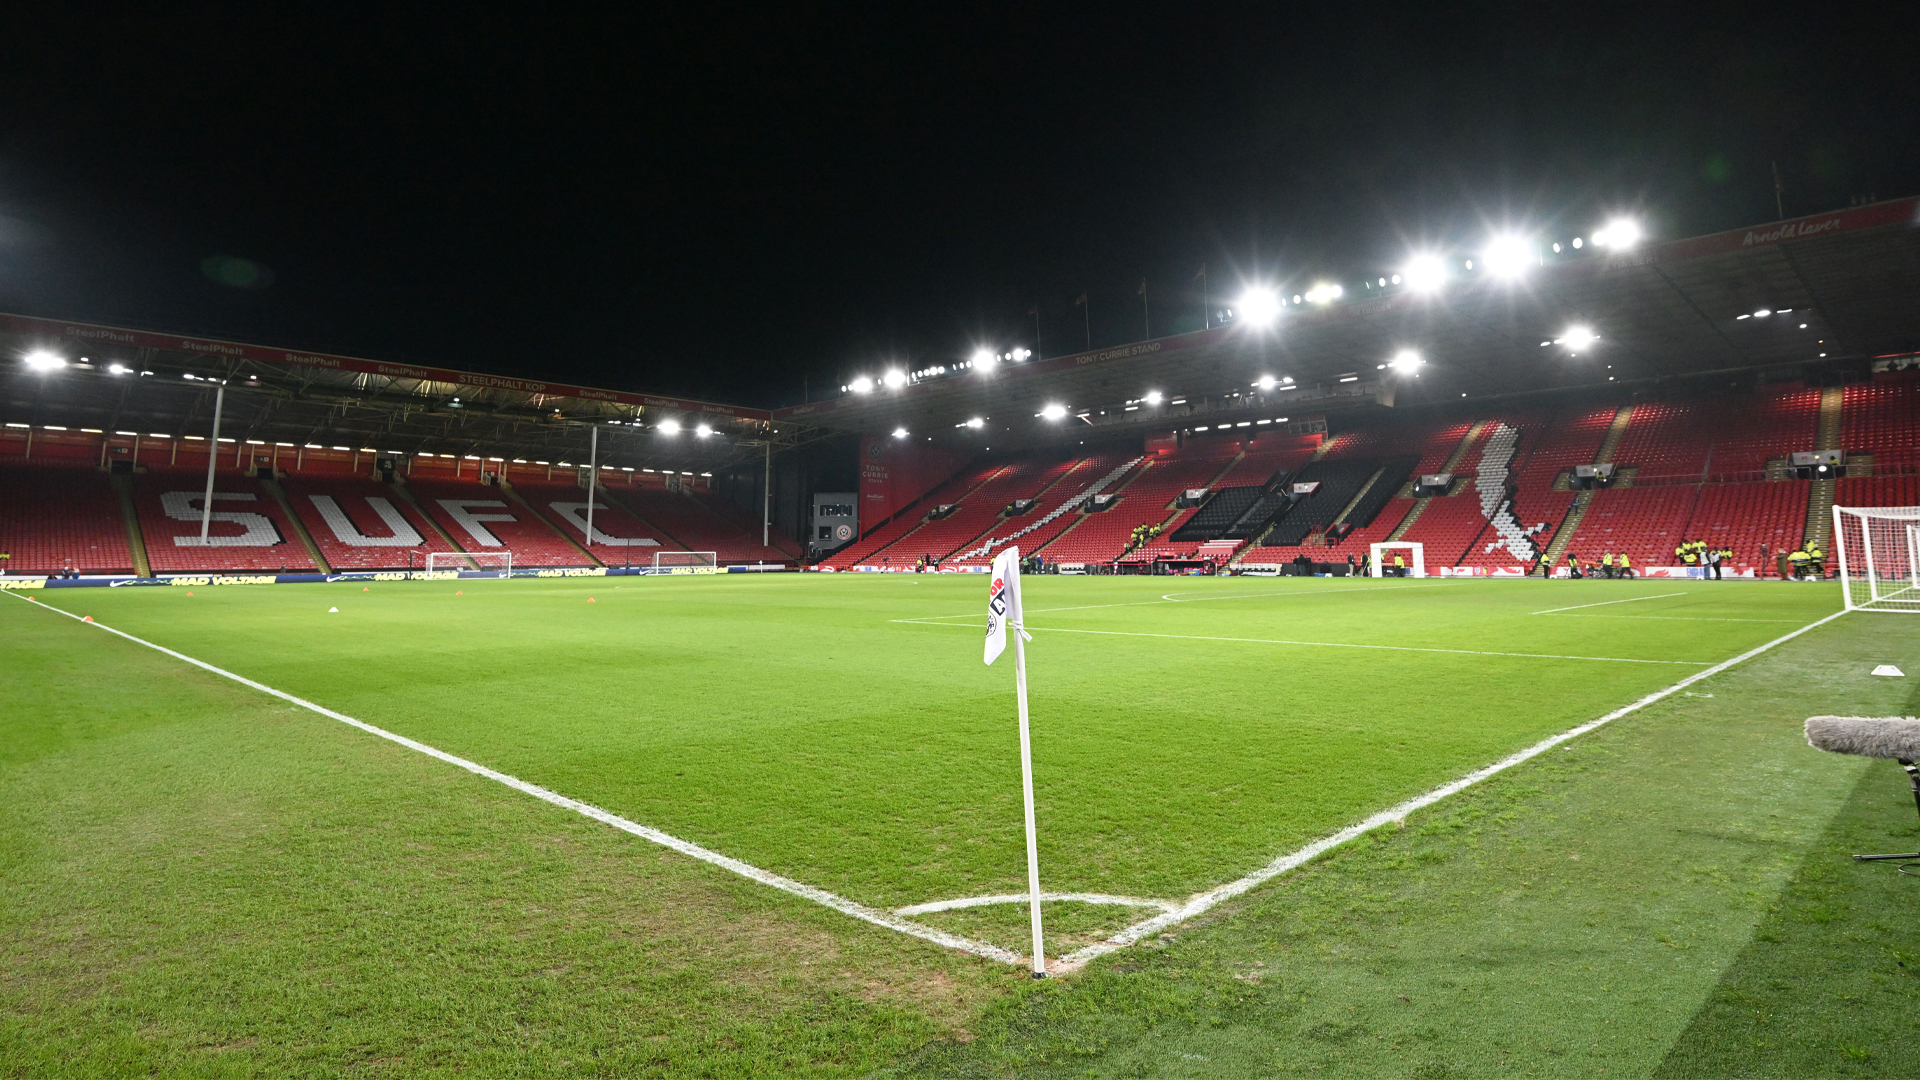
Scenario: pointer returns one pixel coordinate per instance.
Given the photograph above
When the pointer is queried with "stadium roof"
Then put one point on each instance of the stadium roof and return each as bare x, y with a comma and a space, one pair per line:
1814, 290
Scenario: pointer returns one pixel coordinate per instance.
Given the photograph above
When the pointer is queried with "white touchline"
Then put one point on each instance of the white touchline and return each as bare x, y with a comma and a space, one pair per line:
685, 847
1330, 644
1604, 603
1207, 900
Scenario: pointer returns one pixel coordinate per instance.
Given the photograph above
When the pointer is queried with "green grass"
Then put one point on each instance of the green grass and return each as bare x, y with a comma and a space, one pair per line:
199, 878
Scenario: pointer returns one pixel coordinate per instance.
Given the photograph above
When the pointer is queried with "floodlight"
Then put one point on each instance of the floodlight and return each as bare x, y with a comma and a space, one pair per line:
1053, 411
1022, 354
1578, 337
1266, 382
1406, 360
1618, 234
1153, 397
1258, 306
668, 427
976, 423
984, 357
42, 360
861, 384
1425, 273
703, 431
894, 378
1324, 293
1508, 256
899, 433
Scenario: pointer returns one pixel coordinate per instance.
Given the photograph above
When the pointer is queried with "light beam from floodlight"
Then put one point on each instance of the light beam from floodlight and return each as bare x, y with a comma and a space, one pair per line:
668, 427
42, 360
1153, 397
1406, 360
984, 357
1053, 411
1258, 306
1578, 337
861, 384
899, 433
1266, 382
703, 431
1324, 293
1425, 273
976, 423
894, 378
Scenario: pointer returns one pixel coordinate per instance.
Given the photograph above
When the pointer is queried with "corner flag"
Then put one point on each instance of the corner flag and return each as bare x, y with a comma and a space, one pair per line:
1004, 610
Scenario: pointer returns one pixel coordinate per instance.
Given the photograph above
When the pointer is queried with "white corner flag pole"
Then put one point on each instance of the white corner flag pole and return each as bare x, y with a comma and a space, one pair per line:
1004, 610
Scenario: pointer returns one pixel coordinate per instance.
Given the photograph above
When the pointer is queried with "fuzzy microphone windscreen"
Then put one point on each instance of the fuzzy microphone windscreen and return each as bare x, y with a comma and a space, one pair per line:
1868, 736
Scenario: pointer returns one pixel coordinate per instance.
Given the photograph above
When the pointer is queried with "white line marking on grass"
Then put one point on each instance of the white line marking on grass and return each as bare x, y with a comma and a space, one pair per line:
1045, 897
1209, 899
685, 847
1604, 603
1168, 599
1672, 618
1328, 644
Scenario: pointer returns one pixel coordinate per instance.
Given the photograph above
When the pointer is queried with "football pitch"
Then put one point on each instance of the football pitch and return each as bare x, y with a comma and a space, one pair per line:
842, 734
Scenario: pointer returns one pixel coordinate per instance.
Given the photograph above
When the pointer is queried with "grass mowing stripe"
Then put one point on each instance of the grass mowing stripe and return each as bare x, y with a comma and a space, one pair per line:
1167, 598
1604, 603
1207, 900
667, 840
1322, 644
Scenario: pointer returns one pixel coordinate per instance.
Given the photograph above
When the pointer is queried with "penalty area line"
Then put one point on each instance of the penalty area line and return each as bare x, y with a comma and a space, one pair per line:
1205, 901
685, 847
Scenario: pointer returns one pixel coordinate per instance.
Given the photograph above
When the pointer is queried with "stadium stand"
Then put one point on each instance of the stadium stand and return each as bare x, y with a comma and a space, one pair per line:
740, 519
1145, 498
249, 531
1339, 482
690, 526
1882, 418
484, 518
56, 517
906, 522
1055, 511
979, 511
362, 524
621, 539
1520, 469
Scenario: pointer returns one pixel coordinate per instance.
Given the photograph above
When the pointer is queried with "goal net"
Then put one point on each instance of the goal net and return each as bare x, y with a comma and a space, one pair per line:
1878, 553
499, 561
1412, 553
686, 562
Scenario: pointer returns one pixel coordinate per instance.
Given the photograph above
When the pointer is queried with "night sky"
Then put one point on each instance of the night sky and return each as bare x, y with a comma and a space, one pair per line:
732, 201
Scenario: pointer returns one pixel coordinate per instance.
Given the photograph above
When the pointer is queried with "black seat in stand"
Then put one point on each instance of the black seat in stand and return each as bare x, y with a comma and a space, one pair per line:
1896, 737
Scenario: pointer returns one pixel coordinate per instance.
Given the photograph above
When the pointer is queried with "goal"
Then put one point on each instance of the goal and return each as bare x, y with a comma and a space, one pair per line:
686, 562
1878, 549
1416, 563
499, 561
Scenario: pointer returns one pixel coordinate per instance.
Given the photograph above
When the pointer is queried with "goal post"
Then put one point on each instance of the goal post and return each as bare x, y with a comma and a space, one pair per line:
501, 562
1877, 549
686, 562
1418, 561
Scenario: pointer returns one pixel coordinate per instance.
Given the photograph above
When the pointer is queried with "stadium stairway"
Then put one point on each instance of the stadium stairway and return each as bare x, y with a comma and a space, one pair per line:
1819, 524
299, 527
513, 493
351, 520
623, 539
1563, 536
136, 544
1453, 462
902, 524
250, 533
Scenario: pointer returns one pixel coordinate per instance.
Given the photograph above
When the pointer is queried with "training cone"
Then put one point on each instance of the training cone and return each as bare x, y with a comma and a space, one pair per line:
1889, 669
364, 589
459, 592
189, 592
86, 618
589, 599
333, 611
